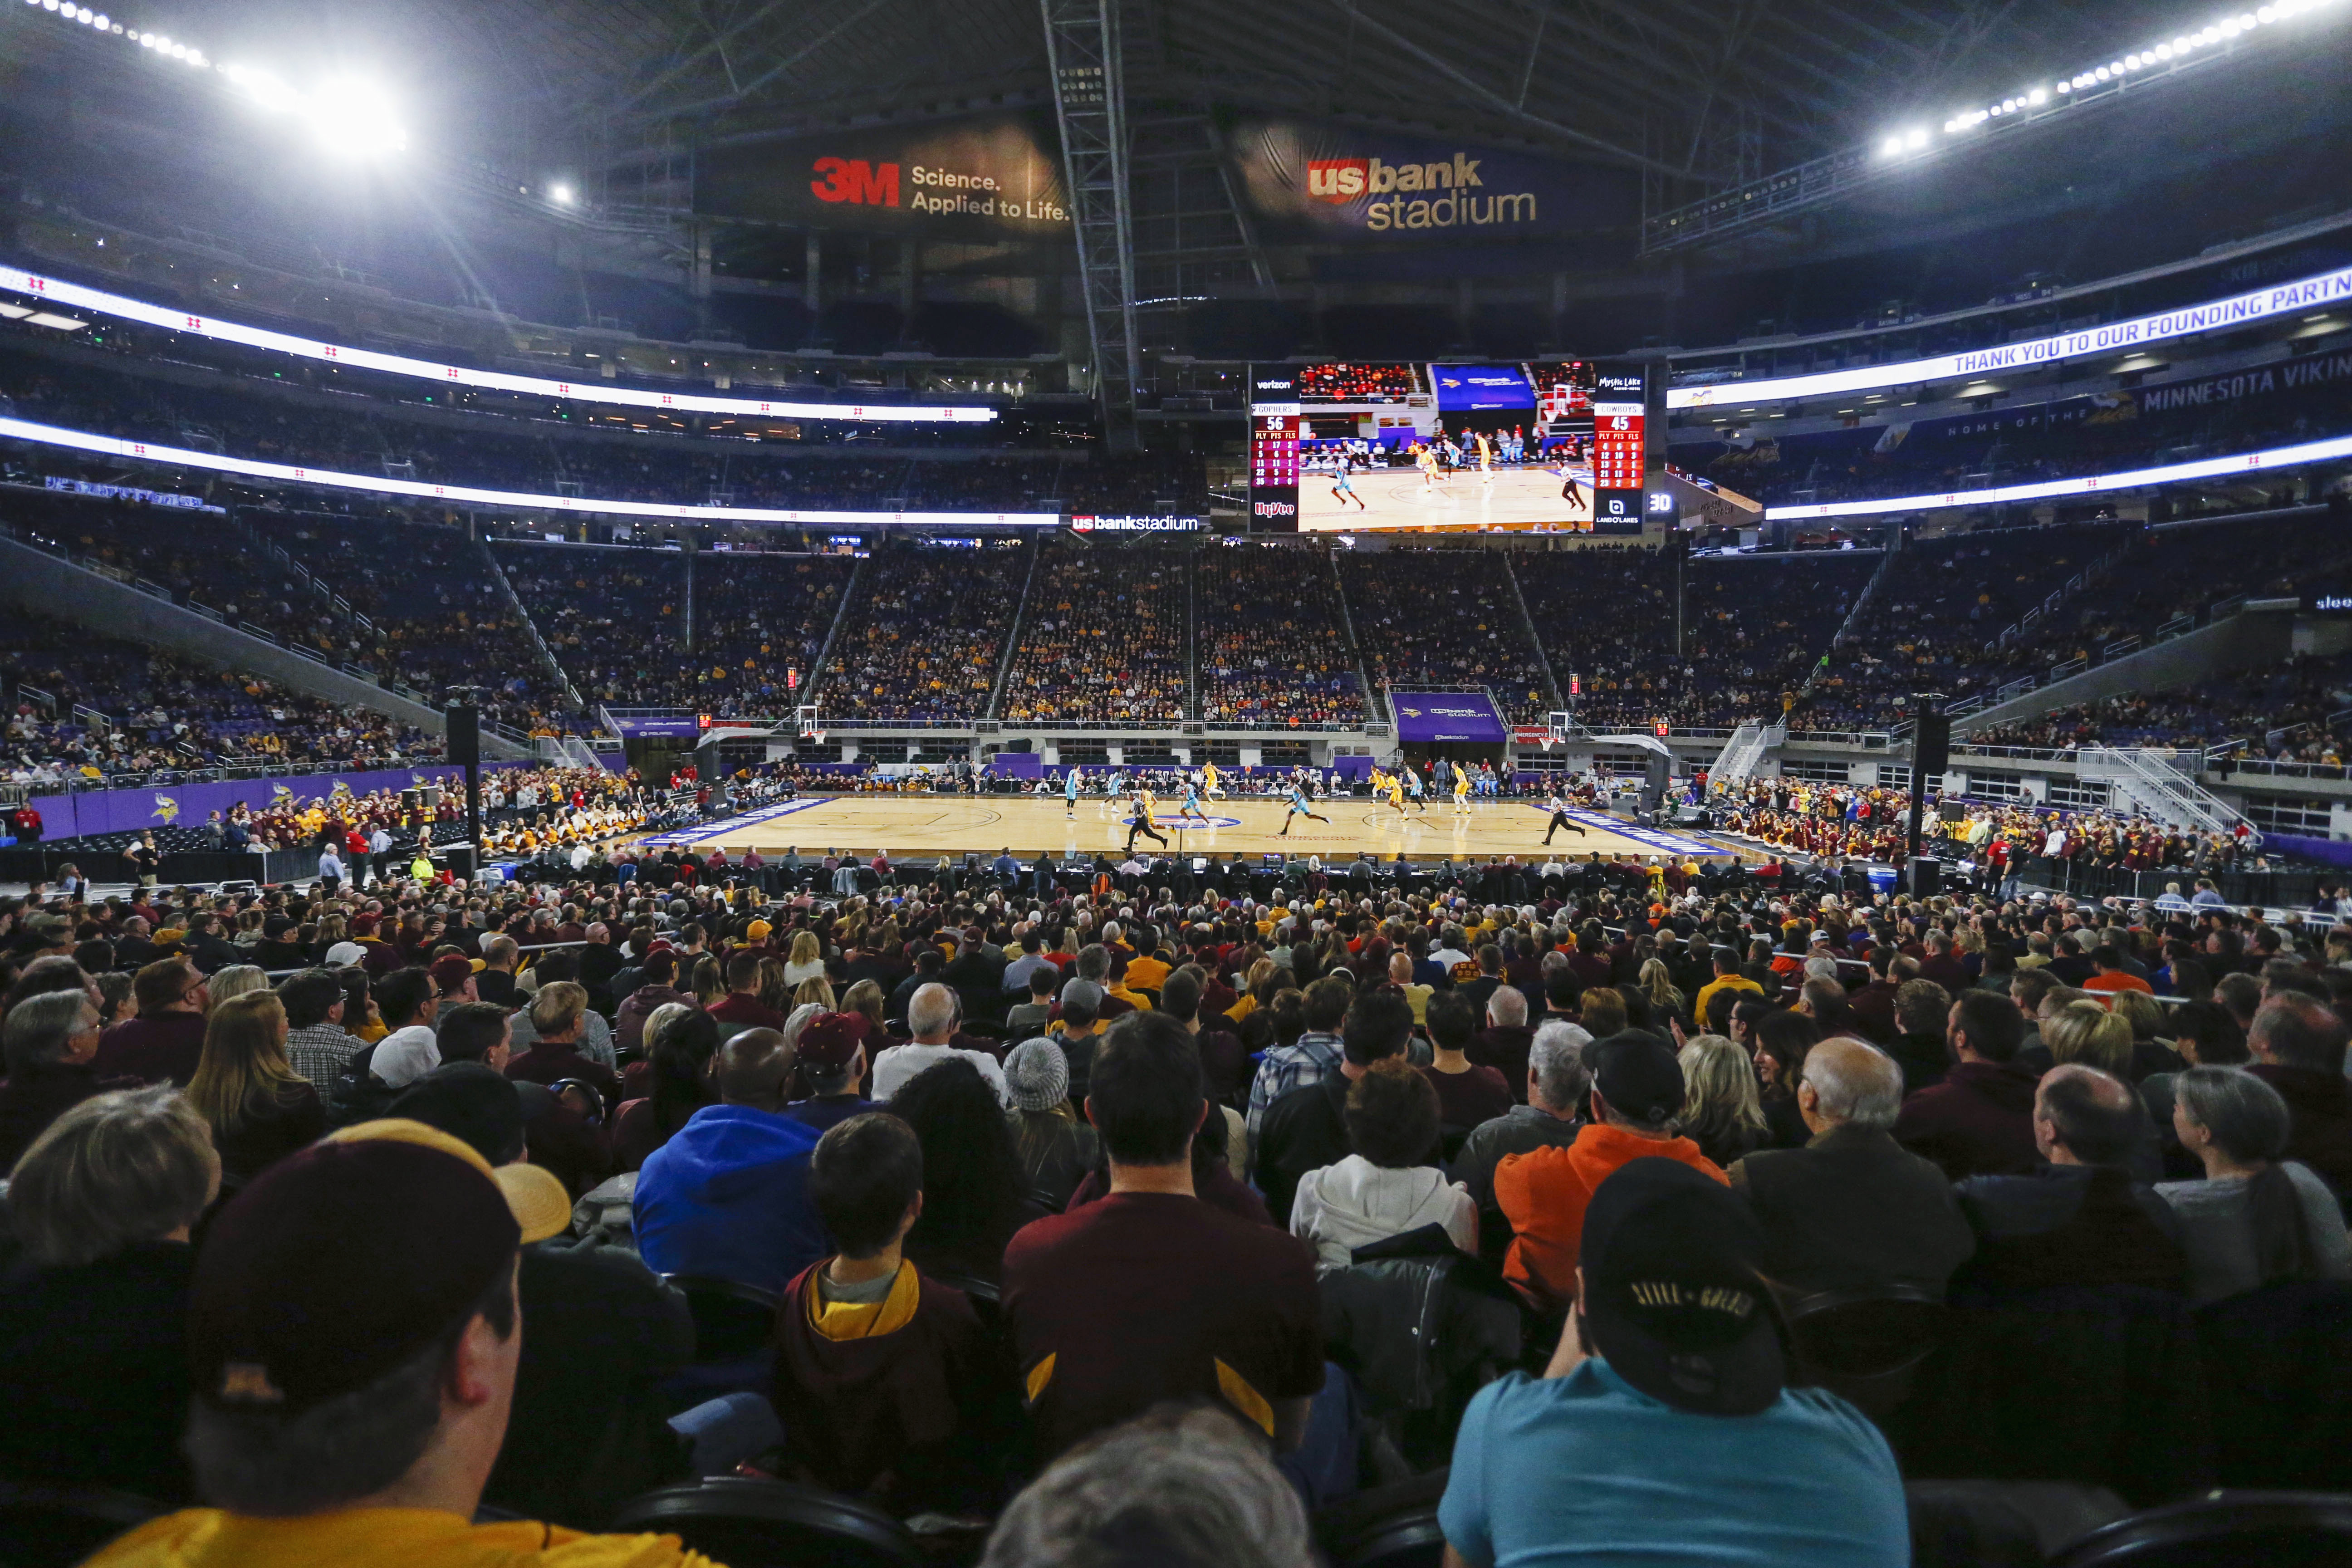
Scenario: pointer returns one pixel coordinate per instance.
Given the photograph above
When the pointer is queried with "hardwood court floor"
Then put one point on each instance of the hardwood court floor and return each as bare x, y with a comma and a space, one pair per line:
924, 825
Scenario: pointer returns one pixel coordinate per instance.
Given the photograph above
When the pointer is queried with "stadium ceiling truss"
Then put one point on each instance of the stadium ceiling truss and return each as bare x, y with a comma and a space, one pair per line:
1687, 89
1708, 99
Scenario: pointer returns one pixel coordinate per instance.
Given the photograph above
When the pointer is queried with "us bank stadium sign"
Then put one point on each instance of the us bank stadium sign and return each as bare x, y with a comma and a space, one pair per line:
1088, 522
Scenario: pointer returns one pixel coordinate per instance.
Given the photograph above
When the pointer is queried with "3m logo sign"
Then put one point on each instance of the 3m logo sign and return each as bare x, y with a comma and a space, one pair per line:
856, 181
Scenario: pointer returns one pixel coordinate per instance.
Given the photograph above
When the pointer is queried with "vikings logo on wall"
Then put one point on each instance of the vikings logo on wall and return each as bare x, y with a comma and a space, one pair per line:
1346, 180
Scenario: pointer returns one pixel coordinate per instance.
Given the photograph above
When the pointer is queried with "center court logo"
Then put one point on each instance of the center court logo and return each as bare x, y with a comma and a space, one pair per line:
1340, 180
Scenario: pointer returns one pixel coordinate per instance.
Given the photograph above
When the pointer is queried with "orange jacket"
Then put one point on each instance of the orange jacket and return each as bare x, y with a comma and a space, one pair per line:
1544, 1195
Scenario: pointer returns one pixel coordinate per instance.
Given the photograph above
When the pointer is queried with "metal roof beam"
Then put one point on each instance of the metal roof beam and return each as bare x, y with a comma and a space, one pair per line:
1455, 73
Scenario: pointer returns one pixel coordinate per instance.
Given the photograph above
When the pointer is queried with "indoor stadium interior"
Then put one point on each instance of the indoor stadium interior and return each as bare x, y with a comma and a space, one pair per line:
1608, 732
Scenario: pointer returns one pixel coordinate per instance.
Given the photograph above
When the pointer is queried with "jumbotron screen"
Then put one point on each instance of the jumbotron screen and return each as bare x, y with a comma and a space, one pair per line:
1442, 448
1555, 496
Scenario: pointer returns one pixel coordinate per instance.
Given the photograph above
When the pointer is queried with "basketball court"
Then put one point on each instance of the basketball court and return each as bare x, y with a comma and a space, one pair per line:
927, 825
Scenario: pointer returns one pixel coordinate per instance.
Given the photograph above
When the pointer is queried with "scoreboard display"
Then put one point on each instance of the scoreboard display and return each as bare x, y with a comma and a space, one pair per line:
1276, 428
1620, 396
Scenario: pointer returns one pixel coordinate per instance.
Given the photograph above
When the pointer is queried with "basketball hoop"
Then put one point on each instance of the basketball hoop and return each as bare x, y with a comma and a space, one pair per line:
1547, 743
818, 736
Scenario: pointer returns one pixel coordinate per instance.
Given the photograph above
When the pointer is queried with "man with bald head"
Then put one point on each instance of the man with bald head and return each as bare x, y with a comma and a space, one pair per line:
1852, 1210
727, 1195
2081, 1219
931, 1014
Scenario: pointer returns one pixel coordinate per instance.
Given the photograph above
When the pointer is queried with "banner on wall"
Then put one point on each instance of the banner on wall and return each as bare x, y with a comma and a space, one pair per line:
980, 179
1441, 715
1346, 182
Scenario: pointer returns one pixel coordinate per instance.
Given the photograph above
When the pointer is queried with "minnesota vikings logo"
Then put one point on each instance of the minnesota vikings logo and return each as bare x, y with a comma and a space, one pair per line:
167, 808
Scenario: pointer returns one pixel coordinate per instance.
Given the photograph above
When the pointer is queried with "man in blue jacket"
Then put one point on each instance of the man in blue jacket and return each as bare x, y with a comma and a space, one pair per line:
727, 1197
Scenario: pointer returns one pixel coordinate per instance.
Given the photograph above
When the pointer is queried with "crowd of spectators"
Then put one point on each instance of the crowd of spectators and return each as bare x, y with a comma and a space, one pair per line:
1356, 383
1272, 646
199, 558
1106, 638
615, 619
2079, 437
349, 433
1951, 614
441, 619
158, 712
1015, 1171
2293, 712
1941, 603
1753, 630
1851, 821
925, 636
1443, 617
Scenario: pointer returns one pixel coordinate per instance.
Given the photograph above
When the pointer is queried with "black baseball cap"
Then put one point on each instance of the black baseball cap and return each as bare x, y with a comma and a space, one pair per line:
1675, 1298
1638, 1075
469, 1100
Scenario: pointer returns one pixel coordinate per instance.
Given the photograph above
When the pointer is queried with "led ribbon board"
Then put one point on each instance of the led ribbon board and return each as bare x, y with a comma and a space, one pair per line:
98, 302
469, 495
2304, 294
2203, 469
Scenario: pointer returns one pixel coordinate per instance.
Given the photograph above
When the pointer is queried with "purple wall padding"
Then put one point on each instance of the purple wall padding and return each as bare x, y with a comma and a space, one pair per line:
127, 810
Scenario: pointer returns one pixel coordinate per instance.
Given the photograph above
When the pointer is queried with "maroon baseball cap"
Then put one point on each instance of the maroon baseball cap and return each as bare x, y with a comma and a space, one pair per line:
450, 974
830, 1041
342, 1262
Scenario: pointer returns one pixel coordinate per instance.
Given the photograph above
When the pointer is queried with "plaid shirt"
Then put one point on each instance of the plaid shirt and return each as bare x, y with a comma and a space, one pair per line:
319, 1052
1310, 1060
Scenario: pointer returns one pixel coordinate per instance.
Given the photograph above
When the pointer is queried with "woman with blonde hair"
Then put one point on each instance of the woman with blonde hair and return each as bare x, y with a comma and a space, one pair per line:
819, 991
775, 987
866, 999
235, 979
259, 1109
1260, 974
1723, 1111
1656, 982
805, 961
707, 982
2087, 1032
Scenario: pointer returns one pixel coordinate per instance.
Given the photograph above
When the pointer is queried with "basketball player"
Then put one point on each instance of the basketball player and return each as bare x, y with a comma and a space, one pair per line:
1461, 790
1559, 818
1485, 459
1209, 788
1192, 806
1426, 458
1298, 809
1414, 788
1071, 783
1396, 794
1142, 821
1342, 490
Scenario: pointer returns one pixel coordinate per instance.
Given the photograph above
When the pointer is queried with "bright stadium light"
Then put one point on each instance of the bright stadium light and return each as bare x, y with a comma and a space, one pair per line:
2149, 57
560, 194
350, 117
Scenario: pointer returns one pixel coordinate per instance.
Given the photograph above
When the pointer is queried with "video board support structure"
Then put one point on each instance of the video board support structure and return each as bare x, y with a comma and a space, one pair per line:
1082, 44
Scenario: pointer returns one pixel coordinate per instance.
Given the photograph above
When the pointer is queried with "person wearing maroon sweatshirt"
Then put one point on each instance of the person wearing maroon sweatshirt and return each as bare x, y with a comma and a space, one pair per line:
1980, 1121
166, 1039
